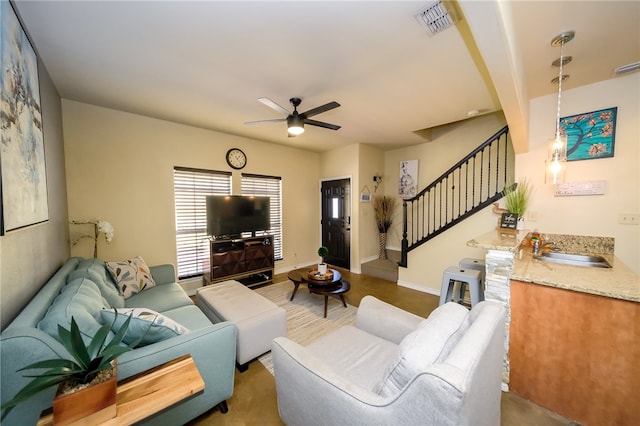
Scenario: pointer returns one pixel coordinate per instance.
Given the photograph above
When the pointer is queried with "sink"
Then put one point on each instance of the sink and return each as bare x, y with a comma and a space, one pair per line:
592, 261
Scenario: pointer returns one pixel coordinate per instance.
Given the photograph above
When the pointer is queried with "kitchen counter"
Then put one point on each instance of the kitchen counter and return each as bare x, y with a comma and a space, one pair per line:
618, 282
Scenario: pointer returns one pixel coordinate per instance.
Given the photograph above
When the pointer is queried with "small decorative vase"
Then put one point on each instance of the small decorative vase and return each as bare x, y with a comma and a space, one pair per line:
322, 268
382, 241
520, 224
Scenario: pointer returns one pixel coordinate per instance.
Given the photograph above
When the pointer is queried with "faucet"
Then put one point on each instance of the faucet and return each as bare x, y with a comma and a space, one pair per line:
539, 245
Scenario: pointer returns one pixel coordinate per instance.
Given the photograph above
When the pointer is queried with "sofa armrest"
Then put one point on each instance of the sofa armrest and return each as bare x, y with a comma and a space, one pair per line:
384, 320
163, 274
213, 349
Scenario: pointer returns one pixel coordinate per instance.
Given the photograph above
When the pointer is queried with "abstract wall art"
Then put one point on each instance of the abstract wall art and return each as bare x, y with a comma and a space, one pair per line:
408, 184
22, 158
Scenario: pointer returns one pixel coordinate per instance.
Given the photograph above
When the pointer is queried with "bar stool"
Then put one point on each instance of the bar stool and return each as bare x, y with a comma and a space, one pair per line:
471, 263
472, 278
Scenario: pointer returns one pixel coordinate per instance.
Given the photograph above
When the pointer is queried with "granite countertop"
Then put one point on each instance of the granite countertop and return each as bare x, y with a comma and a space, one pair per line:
499, 240
618, 282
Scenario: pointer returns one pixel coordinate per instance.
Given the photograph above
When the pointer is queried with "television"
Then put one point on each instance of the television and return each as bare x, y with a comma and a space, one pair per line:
232, 215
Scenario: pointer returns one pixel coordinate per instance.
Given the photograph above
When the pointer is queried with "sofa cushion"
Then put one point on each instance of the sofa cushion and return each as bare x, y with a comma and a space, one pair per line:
132, 276
190, 317
147, 324
80, 299
430, 342
96, 271
160, 298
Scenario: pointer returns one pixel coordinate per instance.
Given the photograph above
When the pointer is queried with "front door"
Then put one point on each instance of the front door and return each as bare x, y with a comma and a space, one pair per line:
336, 221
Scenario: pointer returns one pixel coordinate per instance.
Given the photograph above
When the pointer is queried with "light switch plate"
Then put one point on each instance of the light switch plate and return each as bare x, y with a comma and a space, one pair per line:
628, 218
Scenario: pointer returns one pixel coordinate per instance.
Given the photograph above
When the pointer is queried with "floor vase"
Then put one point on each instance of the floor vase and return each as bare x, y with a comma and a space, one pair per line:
382, 241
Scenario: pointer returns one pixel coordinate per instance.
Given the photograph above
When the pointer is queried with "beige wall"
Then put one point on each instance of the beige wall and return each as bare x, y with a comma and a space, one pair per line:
371, 163
120, 169
595, 215
448, 145
29, 256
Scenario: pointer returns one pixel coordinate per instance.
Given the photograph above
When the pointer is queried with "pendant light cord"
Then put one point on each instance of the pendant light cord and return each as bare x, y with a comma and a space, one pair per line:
560, 78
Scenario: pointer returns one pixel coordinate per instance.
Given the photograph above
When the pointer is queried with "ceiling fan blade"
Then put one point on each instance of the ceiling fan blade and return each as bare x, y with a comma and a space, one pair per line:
320, 109
321, 124
268, 102
253, 123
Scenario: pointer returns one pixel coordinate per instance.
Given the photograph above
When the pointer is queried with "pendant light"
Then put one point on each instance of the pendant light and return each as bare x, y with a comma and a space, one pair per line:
557, 155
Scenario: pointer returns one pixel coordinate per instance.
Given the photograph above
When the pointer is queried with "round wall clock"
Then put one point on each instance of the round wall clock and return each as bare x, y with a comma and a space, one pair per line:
236, 158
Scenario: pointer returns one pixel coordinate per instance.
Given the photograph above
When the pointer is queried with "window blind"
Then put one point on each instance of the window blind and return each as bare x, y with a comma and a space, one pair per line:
270, 186
191, 187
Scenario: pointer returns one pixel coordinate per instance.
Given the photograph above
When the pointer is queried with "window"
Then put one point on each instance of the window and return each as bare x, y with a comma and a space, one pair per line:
191, 187
270, 186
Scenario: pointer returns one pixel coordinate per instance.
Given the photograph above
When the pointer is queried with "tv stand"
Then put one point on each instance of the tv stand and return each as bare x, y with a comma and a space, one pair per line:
248, 260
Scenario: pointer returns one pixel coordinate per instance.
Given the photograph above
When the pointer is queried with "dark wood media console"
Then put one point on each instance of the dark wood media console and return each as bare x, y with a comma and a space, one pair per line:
248, 260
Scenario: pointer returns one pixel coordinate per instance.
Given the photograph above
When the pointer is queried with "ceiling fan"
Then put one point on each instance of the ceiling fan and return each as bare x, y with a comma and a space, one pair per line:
295, 120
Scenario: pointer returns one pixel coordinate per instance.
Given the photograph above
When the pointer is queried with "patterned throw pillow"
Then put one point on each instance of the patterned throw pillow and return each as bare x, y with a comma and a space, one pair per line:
154, 326
132, 276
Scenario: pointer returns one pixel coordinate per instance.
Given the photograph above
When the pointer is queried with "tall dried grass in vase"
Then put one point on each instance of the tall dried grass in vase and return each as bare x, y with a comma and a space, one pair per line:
384, 207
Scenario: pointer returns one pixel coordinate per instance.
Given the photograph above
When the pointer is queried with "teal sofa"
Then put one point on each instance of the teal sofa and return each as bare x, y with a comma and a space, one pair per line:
82, 288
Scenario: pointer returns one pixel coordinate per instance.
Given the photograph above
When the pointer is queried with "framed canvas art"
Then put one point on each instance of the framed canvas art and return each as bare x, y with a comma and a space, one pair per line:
22, 160
408, 184
590, 135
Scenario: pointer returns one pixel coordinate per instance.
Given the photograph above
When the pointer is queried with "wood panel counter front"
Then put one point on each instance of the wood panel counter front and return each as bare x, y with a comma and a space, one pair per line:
575, 353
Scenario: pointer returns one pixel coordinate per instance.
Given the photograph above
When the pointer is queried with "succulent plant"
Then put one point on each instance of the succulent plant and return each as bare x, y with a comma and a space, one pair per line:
88, 361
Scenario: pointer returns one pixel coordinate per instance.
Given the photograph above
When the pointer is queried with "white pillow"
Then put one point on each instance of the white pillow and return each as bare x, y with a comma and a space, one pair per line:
131, 276
154, 326
428, 343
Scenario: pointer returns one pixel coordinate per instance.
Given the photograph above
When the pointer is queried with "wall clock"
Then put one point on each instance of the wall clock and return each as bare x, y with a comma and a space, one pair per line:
236, 158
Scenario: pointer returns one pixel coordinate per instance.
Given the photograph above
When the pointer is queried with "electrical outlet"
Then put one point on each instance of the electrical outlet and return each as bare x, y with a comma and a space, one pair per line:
629, 218
532, 216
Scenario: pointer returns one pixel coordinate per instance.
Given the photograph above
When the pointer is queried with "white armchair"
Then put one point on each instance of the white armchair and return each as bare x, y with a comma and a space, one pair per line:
396, 368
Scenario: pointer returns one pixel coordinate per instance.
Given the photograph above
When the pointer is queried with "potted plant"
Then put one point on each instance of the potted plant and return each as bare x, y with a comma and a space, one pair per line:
322, 267
93, 369
384, 207
516, 198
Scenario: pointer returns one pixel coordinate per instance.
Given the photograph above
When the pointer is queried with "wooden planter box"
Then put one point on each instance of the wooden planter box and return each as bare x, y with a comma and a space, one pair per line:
90, 406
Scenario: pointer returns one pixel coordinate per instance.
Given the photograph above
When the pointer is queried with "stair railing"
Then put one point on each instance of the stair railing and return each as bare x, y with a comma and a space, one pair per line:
473, 183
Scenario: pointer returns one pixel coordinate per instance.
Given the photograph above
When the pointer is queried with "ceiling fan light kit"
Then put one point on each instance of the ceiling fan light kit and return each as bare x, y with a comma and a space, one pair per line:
295, 125
295, 120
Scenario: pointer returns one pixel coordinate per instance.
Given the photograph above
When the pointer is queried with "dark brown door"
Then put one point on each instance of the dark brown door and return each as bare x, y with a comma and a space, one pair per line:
336, 221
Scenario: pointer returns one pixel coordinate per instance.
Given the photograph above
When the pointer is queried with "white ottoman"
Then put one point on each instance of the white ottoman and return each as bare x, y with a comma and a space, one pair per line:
259, 320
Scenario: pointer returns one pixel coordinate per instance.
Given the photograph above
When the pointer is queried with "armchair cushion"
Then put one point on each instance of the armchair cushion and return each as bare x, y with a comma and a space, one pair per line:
430, 342
357, 356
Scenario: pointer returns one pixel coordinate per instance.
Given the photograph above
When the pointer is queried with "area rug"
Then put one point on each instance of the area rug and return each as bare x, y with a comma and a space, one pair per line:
305, 322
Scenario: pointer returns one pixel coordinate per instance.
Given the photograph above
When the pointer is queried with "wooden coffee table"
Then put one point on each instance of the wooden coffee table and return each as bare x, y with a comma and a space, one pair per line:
335, 287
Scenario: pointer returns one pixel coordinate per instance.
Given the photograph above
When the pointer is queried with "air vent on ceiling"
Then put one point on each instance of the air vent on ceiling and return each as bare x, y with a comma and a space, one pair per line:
624, 69
436, 17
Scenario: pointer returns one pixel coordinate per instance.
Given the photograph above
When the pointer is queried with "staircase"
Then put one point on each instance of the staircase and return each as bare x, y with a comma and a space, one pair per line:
469, 186
386, 269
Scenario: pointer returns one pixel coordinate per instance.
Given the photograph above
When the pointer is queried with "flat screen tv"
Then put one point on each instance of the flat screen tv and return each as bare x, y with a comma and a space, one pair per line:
232, 215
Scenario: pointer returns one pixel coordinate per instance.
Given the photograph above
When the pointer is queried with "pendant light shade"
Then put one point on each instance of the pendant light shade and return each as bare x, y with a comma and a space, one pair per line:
555, 164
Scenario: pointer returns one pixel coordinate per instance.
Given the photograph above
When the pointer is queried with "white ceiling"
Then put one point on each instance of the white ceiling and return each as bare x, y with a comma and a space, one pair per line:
205, 63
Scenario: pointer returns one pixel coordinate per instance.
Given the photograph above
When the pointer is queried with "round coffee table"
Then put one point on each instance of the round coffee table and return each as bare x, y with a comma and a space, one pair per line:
335, 287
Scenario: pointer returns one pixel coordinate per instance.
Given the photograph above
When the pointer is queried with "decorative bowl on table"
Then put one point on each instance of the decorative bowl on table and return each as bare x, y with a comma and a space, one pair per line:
314, 274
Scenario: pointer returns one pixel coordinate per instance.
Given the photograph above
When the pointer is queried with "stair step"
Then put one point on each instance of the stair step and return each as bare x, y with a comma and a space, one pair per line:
386, 269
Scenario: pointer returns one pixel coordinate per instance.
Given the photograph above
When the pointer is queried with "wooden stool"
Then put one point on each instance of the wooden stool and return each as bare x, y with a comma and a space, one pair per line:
468, 277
